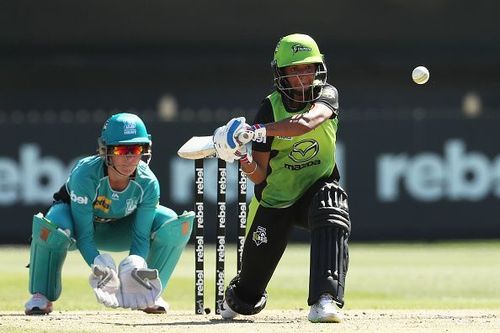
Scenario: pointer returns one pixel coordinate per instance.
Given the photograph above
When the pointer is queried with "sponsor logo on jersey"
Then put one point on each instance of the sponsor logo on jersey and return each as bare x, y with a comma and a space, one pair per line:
299, 47
259, 236
295, 167
287, 138
304, 150
79, 200
115, 196
102, 203
129, 128
131, 205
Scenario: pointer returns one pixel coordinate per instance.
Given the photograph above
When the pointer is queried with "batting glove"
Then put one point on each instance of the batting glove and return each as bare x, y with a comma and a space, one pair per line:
244, 154
256, 133
225, 142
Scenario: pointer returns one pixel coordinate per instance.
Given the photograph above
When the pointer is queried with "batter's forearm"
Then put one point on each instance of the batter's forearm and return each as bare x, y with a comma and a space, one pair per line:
254, 172
300, 123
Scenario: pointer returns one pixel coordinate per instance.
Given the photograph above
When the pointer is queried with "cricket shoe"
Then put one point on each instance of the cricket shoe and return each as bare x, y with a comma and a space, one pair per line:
38, 305
325, 310
227, 313
160, 307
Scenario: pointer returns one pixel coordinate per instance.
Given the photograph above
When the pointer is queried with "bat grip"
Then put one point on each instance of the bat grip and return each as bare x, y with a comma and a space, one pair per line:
245, 137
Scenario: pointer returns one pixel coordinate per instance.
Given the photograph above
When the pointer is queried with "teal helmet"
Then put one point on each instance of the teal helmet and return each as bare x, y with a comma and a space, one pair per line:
298, 49
124, 129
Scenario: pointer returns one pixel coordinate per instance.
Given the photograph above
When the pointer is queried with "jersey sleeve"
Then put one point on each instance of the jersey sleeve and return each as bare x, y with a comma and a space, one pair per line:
143, 221
82, 196
330, 98
264, 115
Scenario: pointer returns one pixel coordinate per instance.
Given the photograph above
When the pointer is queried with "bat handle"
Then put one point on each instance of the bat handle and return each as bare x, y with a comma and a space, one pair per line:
245, 137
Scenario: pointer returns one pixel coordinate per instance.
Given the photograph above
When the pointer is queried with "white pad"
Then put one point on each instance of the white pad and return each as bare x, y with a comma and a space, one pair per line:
104, 280
140, 286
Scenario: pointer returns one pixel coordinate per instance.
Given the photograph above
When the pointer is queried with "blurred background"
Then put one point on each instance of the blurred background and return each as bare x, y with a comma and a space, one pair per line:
419, 162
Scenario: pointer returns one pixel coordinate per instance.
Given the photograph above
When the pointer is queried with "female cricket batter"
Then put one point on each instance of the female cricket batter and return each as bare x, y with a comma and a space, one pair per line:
292, 164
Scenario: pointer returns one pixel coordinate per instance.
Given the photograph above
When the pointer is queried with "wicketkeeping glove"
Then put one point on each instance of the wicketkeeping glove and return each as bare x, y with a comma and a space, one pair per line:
140, 286
104, 280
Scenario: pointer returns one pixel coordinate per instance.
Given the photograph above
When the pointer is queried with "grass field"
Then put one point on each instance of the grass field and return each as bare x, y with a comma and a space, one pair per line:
442, 275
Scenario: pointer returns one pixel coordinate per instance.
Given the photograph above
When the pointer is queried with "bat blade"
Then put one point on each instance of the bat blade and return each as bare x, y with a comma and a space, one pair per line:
198, 147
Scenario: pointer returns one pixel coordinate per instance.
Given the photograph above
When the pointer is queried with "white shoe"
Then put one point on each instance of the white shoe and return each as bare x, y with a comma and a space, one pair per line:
38, 305
227, 313
160, 307
325, 311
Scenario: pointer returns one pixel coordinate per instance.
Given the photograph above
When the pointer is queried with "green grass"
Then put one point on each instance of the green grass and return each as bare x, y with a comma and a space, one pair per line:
442, 275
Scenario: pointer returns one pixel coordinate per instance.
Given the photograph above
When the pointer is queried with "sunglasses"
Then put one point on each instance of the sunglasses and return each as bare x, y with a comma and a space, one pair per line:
127, 150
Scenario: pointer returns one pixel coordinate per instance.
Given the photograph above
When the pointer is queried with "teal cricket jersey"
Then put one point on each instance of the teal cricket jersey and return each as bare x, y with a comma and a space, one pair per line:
93, 201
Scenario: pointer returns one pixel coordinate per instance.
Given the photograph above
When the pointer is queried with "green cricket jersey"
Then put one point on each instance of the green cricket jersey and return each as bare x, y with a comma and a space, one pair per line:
296, 162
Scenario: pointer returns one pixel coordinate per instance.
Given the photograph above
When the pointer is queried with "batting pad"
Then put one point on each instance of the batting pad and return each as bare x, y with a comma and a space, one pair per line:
49, 246
167, 245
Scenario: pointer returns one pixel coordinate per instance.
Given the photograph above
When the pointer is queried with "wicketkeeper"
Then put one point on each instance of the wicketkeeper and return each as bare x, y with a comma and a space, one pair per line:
110, 202
292, 164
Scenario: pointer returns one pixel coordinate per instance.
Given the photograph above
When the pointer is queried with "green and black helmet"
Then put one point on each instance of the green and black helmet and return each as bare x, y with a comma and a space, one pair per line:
297, 49
124, 129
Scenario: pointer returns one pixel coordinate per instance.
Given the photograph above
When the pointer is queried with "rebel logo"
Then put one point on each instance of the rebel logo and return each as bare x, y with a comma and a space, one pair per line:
304, 150
82, 200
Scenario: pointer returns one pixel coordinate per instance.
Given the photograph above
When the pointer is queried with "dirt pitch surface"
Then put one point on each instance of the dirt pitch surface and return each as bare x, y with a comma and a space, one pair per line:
268, 321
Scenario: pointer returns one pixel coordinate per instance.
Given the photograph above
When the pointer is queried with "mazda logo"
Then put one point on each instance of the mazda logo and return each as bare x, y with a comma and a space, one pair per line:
304, 150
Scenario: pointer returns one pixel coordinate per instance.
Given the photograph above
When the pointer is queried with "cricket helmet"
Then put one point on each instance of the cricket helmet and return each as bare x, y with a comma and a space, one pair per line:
297, 49
124, 129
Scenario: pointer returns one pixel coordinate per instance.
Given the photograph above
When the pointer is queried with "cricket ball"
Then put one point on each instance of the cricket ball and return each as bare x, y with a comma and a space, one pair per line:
420, 75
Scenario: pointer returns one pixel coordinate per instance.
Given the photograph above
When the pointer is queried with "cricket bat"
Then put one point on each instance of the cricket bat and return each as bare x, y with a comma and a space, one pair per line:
203, 146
